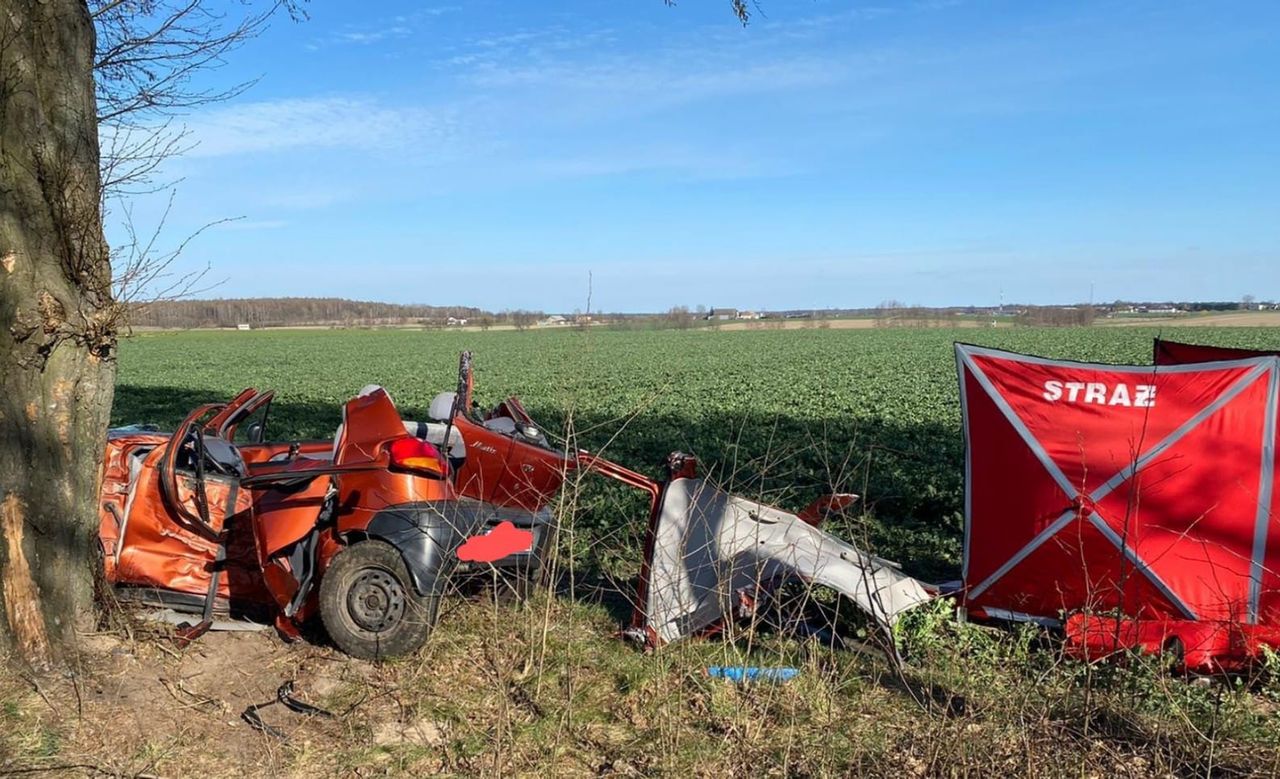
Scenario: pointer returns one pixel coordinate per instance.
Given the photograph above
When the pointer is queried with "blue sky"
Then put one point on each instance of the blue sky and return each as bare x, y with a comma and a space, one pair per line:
830, 154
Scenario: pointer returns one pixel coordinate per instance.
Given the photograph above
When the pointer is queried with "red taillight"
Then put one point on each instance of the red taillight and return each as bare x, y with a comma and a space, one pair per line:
414, 454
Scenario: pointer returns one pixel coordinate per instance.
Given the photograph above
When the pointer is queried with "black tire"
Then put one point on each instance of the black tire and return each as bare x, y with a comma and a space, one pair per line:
537, 573
368, 604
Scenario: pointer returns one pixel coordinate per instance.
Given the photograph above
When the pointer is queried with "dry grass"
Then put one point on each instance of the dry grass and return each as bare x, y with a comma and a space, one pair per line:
545, 689
1229, 319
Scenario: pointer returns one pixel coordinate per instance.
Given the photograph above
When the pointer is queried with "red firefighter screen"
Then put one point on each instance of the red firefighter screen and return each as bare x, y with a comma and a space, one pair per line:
1143, 489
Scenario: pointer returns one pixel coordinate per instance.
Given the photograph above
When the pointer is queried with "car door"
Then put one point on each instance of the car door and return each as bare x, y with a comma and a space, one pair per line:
200, 477
248, 425
189, 504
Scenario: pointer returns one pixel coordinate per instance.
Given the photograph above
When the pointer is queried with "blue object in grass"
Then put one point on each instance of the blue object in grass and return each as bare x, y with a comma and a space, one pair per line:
740, 673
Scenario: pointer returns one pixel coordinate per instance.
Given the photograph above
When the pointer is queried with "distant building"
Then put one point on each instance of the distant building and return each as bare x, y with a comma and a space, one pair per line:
720, 314
553, 320
1162, 310
750, 315
454, 321
243, 326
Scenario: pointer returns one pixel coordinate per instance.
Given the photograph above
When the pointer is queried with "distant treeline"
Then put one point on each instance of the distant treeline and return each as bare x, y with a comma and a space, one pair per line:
337, 312
283, 312
1052, 316
1210, 305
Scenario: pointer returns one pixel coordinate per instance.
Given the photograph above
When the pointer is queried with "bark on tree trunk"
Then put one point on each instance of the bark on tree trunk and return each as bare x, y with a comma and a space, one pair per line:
57, 324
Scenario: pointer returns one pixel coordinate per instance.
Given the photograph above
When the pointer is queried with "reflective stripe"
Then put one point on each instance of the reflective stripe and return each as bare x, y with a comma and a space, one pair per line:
1018, 616
998, 354
1045, 535
1265, 490
964, 354
1030, 440
1141, 565
968, 463
1129, 471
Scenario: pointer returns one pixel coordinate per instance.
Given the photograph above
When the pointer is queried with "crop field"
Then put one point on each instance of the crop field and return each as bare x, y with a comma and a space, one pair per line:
783, 415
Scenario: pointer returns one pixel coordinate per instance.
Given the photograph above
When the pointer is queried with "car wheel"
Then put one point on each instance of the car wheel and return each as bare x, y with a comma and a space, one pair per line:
368, 604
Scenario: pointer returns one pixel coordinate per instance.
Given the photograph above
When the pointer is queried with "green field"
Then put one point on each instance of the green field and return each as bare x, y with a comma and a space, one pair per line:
784, 415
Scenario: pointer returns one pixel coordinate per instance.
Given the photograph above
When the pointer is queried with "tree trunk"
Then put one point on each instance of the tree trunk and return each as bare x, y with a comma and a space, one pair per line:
57, 324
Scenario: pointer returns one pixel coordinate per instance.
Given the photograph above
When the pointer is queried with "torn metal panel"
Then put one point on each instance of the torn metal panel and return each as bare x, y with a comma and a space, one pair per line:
708, 546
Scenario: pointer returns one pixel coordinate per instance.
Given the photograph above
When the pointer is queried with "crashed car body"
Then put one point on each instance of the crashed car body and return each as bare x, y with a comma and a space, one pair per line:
713, 551
366, 530
710, 556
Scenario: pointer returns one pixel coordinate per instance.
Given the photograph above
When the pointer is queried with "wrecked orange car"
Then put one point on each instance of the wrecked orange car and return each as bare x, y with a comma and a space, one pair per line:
363, 531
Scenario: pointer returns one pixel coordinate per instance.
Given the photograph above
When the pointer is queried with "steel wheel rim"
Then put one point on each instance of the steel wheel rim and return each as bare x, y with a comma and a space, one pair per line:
376, 600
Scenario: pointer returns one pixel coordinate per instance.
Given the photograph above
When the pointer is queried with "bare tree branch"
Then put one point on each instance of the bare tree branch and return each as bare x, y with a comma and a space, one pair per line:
741, 9
144, 271
148, 57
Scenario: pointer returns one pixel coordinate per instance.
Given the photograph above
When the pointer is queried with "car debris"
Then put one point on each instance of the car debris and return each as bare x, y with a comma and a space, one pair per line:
744, 674
284, 697
708, 551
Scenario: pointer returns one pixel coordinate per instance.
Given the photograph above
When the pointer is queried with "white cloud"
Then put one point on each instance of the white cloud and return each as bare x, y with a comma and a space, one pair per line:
400, 26
669, 83
689, 162
333, 123
373, 36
